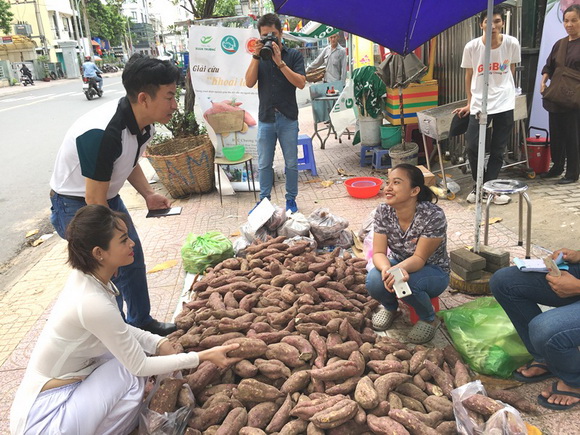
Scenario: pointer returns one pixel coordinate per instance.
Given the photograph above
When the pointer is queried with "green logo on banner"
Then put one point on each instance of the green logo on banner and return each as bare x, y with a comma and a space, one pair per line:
206, 39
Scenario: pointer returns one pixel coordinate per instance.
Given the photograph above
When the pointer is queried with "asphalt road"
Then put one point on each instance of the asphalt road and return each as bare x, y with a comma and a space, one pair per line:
33, 122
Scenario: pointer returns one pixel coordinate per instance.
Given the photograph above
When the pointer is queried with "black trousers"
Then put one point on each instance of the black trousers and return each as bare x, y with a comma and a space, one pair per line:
565, 142
503, 124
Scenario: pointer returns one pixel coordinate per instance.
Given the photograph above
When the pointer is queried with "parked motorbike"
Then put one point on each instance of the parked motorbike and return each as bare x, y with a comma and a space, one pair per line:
25, 80
108, 68
91, 88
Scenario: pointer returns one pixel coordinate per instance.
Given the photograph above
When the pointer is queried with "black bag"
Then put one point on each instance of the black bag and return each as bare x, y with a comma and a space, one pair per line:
564, 89
458, 125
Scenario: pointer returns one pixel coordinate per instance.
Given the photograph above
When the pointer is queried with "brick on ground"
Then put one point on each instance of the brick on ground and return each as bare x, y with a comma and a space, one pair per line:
494, 256
468, 260
465, 274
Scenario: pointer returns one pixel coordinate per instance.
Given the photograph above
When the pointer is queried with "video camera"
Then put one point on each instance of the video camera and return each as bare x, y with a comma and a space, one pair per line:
267, 50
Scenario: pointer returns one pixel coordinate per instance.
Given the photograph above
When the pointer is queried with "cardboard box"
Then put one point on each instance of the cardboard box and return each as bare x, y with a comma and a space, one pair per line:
416, 97
429, 177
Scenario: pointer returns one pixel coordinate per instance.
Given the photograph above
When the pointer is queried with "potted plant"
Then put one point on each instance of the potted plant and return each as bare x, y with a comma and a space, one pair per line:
184, 158
368, 93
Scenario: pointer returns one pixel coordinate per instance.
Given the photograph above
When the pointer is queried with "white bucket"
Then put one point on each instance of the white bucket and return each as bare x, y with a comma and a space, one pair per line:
409, 154
370, 130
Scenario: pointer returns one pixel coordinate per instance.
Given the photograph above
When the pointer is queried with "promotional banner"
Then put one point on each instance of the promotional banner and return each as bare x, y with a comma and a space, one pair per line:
363, 52
553, 30
218, 60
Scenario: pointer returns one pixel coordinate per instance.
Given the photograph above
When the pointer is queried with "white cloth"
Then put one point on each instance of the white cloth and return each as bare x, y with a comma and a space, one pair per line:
335, 62
501, 93
94, 406
85, 326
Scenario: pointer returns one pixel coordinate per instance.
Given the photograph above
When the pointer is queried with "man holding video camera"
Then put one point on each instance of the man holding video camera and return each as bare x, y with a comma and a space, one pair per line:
278, 70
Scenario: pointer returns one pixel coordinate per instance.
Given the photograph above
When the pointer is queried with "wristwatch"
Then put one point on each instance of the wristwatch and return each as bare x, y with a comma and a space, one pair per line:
281, 65
255, 56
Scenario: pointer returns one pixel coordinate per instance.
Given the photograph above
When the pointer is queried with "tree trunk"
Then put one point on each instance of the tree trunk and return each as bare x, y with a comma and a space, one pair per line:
189, 101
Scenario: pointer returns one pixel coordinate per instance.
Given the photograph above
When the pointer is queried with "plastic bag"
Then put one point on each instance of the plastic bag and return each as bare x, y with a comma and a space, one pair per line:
295, 225
277, 219
168, 423
324, 225
240, 244
485, 337
200, 252
368, 225
344, 240
293, 240
504, 421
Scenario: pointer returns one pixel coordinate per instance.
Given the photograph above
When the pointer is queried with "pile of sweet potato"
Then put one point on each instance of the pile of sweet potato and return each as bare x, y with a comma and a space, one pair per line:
311, 363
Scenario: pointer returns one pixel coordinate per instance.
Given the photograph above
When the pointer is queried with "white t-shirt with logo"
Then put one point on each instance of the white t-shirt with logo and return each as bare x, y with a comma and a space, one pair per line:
501, 94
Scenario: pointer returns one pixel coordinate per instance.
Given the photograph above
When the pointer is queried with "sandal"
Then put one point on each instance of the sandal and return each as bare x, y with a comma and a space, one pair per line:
544, 400
518, 376
383, 319
423, 331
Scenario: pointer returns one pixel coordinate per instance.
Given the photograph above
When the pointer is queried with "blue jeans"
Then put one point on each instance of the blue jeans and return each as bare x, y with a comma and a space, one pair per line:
286, 132
131, 280
502, 127
427, 283
551, 337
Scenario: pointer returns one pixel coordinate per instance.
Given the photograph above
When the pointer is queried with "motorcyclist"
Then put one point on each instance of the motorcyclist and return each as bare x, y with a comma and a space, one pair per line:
26, 72
92, 71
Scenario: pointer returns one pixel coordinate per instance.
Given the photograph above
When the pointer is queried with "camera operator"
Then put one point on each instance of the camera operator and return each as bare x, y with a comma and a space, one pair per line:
278, 71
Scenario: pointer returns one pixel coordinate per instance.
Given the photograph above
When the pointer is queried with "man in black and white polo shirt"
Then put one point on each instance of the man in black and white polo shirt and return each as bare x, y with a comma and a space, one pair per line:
101, 151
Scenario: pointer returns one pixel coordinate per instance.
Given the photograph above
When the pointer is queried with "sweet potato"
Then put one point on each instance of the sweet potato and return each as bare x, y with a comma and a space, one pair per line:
432, 389
305, 349
410, 403
431, 419
483, 405
250, 390
294, 427
382, 409
411, 422
336, 371
261, 414
271, 337
462, 376
442, 379
286, 353
385, 366
249, 348
342, 350
296, 382
235, 420
447, 428
411, 390
385, 426
245, 369
218, 340
281, 416
319, 345
335, 415
416, 362
311, 429
365, 394
394, 400
441, 404
272, 369
204, 418
205, 374
387, 383
247, 430
345, 387
165, 398
514, 399
306, 409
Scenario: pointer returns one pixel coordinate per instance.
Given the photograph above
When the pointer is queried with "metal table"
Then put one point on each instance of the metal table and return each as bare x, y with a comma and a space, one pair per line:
436, 123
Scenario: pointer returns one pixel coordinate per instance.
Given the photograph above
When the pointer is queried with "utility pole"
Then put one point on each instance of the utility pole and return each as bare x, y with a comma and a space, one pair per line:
88, 30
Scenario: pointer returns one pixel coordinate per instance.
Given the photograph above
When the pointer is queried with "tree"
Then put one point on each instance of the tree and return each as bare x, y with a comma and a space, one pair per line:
5, 16
106, 20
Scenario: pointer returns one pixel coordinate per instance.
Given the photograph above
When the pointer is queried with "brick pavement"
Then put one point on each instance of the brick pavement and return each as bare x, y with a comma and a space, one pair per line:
25, 304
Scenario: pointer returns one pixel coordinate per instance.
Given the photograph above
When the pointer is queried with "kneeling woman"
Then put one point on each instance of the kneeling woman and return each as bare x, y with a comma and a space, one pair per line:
88, 370
414, 230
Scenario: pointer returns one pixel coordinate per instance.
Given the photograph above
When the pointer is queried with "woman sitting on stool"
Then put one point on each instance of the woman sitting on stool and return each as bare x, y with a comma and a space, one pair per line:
88, 369
415, 231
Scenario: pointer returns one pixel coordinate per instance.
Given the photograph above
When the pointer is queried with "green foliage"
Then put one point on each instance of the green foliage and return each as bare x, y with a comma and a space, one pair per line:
225, 8
106, 20
5, 16
181, 124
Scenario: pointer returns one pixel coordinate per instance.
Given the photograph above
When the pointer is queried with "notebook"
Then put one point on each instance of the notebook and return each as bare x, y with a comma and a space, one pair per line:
537, 264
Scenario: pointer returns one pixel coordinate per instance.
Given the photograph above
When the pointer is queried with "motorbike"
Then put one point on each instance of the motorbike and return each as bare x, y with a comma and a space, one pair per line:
25, 80
109, 68
91, 88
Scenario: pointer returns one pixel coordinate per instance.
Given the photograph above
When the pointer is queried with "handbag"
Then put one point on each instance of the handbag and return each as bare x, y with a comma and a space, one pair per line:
564, 89
316, 75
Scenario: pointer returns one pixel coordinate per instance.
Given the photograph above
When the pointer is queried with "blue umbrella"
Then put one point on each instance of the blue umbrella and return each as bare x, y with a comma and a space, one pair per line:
402, 26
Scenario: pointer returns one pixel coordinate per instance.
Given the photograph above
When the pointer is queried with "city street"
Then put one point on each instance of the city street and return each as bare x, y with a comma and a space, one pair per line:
33, 122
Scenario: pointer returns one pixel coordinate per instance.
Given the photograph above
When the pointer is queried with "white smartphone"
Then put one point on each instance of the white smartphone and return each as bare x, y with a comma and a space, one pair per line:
401, 287
552, 266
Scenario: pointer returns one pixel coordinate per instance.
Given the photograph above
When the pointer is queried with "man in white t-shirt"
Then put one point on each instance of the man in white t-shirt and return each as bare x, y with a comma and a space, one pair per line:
501, 100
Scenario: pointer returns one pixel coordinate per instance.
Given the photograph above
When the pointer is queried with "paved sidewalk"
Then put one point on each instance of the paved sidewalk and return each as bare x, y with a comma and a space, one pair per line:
26, 303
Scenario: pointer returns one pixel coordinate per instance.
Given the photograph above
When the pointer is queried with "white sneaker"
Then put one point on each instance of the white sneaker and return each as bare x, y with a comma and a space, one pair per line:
471, 197
501, 199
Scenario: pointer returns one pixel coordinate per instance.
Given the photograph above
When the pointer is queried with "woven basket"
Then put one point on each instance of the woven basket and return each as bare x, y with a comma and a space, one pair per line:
316, 75
184, 165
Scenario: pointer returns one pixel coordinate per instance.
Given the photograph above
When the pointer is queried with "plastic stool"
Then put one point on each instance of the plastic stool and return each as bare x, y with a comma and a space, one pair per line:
378, 154
367, 159
413, 317
307, 162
